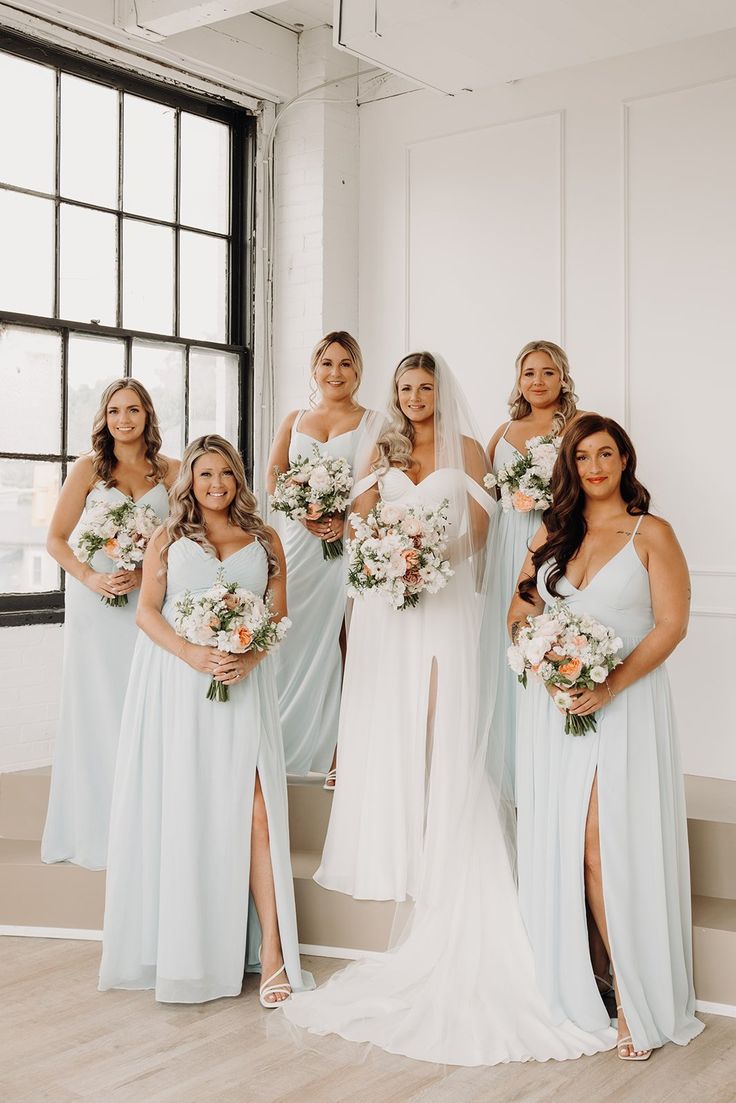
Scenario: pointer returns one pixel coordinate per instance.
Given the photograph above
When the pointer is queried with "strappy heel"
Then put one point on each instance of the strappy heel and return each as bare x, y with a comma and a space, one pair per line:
628, 1041
268, 989
330, 781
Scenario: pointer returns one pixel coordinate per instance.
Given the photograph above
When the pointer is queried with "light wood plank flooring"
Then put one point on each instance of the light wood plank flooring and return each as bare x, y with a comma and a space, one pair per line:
64, 1042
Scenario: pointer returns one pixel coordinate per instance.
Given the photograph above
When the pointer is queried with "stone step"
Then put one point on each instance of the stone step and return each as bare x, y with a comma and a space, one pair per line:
36, 895
714, 949
711, 827
33, 894
24, 797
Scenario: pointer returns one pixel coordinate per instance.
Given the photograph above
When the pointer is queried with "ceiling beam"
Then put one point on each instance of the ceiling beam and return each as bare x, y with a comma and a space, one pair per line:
161, 18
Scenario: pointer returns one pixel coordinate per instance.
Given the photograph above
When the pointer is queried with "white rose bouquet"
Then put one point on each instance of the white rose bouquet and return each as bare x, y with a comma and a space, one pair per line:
230, 618
122, 532
569, 650
314, 486
525, 481
397, 551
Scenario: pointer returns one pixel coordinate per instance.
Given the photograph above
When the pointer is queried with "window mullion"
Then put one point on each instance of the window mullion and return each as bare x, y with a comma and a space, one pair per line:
57, 204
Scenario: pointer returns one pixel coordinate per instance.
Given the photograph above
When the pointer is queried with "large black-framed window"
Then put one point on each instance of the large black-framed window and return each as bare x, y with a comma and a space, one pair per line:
126, 230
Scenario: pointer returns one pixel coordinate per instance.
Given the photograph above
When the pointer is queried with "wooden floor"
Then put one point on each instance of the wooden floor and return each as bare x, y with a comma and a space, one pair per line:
63, 1041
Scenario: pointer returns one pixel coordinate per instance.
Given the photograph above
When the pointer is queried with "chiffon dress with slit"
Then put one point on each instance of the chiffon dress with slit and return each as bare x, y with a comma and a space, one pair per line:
415, 815
309, 662
635, 757
178, 914
98, 649
515, 532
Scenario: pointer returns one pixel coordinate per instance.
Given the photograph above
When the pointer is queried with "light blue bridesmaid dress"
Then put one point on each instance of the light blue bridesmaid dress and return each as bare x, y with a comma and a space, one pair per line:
515, 532
643, 832
98, 648
309, 663
178, 914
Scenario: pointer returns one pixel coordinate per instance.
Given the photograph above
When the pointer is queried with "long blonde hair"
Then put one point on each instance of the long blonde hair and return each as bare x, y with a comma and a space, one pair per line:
518, 405
185, 517
103, 445
351, 346
396, 443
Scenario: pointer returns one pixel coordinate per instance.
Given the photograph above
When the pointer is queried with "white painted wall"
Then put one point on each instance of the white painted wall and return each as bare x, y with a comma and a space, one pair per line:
595, 206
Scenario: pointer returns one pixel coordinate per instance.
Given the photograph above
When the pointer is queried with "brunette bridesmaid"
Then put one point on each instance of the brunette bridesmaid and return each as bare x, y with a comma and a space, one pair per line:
125, 464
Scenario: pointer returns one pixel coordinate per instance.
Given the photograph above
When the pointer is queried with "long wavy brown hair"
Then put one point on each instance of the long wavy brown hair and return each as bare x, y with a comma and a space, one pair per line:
518, 405
565, 518
396, 443
103, 445
185, 517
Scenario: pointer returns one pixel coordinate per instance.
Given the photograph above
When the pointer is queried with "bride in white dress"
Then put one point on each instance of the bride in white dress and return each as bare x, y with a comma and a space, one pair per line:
418, 807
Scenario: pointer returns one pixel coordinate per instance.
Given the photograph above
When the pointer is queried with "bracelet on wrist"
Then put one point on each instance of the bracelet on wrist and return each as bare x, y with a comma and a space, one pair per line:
611, 694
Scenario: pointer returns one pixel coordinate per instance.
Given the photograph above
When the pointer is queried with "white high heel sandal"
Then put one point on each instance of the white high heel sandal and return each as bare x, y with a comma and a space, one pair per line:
330, 781
268, 989
626, 1043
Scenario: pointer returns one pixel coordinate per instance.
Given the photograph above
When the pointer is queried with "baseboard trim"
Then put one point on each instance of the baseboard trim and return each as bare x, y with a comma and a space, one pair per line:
336, 951
80, 935
707, 1008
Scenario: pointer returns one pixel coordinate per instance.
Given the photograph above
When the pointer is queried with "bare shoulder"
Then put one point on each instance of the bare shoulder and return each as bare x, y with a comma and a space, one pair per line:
658, 533
172, 470
472, 449
274, 538
82, 472
496, 437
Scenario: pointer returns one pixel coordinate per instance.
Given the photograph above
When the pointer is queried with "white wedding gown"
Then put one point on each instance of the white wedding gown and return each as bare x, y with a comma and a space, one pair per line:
418, 816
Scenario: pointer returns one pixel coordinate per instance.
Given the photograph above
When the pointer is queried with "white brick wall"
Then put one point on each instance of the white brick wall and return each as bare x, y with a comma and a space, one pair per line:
316, 256
30, 693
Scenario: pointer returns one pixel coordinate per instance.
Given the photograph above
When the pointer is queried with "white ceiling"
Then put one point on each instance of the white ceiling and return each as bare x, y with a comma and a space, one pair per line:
305, 14
456, 44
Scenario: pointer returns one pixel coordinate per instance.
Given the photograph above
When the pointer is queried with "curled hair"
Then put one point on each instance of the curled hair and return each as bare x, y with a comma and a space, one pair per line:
103, 444
518, 405
351, 346
396, 443
565, 518
185, 517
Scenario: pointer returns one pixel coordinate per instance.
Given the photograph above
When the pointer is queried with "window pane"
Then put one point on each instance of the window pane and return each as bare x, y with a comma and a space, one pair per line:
148, 277
93, 363
30, 383
149, 158
88, 266
213, 393
160, 368
27, 235
89, 141
28, 493
28, 146
205, 173
202, 287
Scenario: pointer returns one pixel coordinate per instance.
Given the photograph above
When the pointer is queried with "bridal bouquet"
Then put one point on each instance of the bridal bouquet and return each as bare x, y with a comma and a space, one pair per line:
231, 619
569, 650
397, 551
122, 532
524, 482
313, 486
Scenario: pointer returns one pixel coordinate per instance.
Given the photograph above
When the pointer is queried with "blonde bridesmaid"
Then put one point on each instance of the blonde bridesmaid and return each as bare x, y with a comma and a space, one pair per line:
543, 402
309, 663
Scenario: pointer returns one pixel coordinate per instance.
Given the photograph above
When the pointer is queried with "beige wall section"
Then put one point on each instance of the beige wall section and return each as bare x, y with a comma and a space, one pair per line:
645, 176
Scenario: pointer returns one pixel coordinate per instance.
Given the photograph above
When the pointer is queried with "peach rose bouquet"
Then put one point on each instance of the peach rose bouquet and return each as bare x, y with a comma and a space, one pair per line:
398, 552
568, 650
314, 486
230, 618
524, 482
120, 532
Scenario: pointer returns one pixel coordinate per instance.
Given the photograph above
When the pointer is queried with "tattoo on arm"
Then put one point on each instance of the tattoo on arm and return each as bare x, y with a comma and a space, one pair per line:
515, 628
